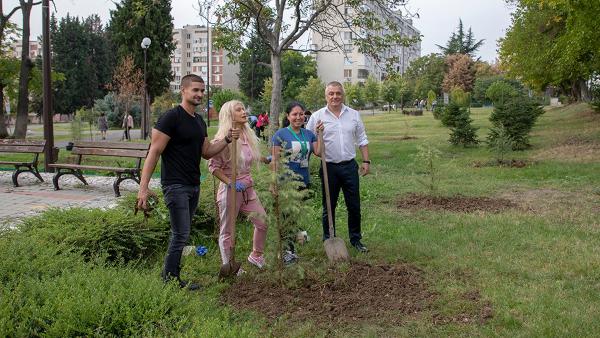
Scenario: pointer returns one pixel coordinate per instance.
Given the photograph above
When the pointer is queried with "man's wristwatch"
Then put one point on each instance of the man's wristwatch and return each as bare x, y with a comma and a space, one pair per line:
228, 139
367, 161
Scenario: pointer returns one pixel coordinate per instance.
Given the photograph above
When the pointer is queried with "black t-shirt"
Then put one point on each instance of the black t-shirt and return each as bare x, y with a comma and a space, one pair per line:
180, 162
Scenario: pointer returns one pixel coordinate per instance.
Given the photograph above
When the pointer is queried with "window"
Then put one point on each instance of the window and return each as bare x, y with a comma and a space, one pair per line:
217, 78
189, 54
189, 36
348, 48
189, 64
189, 45
203, 69
348, 36
217, 59
347, 72
363, 73
177, 78
177, 60
194, 69
347, 61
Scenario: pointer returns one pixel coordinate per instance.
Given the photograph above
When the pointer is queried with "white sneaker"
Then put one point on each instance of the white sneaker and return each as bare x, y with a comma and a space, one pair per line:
259, 262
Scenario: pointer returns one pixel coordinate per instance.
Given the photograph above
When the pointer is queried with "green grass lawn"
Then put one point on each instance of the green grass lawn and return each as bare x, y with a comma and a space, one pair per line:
537, 266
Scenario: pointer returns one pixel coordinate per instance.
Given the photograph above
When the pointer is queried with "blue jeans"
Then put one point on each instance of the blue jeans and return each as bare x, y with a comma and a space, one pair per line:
182, 201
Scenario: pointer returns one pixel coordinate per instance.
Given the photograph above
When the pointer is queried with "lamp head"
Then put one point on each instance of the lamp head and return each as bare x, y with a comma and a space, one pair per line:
146, 42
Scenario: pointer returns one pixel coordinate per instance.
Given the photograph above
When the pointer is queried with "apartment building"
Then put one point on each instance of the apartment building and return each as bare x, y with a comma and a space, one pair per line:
352, 66
191, 57
35, 49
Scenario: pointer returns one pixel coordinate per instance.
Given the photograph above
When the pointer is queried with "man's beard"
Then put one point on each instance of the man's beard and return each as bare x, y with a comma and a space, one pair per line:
195, 103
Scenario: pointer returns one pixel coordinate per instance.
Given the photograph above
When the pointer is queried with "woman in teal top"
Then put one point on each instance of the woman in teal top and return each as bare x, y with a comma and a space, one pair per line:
298, 143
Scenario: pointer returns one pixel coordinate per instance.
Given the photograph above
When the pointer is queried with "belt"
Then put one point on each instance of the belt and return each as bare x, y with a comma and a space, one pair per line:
341, 163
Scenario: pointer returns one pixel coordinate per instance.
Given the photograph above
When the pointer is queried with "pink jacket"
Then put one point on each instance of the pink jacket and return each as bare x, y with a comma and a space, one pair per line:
221, 161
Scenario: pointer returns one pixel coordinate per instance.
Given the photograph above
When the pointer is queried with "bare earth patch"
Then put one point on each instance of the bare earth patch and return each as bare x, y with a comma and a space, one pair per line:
398, 138
502, 163
385, 294
457, 203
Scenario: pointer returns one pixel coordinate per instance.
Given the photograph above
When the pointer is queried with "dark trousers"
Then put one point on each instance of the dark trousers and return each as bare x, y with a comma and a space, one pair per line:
343, 176
182, 201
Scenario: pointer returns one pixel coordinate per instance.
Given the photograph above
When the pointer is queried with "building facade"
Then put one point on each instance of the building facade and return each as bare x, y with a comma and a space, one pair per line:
352, 66
35, 49
191, 57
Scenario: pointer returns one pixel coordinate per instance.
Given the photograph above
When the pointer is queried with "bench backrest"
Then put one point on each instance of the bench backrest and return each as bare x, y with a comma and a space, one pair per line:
119, 149
22, 146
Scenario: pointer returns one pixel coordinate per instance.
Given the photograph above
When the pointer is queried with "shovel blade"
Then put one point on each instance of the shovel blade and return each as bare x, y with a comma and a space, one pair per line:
229, 269
336, 251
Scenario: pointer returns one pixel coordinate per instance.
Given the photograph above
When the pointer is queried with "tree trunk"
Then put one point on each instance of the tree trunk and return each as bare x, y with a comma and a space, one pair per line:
3, 130
276, 92
26, 65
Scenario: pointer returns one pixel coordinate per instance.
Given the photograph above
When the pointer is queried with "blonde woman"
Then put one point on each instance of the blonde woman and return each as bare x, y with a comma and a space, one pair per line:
233, 116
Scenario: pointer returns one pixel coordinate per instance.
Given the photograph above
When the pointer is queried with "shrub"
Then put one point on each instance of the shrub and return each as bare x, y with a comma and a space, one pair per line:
460, 97
500, 145
595, 91
515, 117
463, 133
116, 234
451, 113
500, 91
426, 163
438, 111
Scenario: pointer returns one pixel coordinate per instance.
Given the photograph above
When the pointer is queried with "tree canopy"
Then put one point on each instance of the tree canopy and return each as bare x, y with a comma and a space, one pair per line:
553, 42
461, 43
130, 22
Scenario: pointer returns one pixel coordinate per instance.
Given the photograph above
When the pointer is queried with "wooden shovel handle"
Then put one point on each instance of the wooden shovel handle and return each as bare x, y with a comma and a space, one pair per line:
233, 206
326, 184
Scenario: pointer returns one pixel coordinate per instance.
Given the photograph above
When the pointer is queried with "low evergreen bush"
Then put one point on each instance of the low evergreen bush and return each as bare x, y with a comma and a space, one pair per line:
463, 133
515, 117
450, 114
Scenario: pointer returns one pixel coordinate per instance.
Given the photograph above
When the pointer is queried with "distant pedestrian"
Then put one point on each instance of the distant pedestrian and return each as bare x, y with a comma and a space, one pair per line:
102, 125
127, 125
263, 122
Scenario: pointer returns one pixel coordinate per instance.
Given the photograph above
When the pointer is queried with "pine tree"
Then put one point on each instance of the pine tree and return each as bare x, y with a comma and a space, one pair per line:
130, 22
255, 67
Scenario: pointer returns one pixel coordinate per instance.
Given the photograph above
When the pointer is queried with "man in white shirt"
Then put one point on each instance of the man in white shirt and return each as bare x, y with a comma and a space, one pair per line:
343, 131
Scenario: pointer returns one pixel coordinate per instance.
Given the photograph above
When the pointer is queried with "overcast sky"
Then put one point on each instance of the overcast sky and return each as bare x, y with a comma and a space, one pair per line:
489, 19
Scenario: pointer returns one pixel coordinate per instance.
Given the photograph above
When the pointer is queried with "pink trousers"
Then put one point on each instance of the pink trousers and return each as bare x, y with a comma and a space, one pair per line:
253, 208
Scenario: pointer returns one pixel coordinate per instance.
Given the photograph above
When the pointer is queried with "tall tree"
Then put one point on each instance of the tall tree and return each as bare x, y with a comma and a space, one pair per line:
426, 73
460, 74
461, 43
281, 23
130, 22
255, 67
296, 69
9, 66
312, 94
25, 71
553, 42
371, 92
80, 50
128, 82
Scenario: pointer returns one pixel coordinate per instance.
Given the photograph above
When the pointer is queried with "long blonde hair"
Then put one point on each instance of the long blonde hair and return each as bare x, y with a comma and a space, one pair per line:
226, 123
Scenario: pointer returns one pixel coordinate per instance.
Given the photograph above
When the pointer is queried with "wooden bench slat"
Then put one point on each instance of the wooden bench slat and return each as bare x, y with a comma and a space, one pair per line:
112, 145
21, 149
91, 167
23, 142
110, 152
15, 163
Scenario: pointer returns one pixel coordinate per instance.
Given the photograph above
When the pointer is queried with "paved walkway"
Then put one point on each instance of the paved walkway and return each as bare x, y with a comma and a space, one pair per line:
32, 196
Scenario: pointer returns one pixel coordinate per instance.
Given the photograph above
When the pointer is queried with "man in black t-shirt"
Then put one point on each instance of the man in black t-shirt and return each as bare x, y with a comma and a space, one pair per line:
180, 138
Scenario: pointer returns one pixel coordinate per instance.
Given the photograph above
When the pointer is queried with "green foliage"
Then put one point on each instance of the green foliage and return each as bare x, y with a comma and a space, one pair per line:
130, 22
221, 96
81, 50
266, 94
459, 97
438, 111
553, 43
500, 144
426, 73
499, 91
313, 94
430, 98
254, 67
296, 69
451, 113
390, 91
426, 163
483, 83
114, 234
354, 95
461, 43
463, 133
515, 118
371, 91
162, 103
76, 128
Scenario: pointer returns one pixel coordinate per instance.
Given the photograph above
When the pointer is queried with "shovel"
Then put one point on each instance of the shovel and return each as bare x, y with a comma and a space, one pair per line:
335, 248
232, 267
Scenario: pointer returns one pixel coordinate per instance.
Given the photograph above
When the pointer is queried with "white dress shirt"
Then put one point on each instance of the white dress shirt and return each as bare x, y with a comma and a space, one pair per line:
341, 135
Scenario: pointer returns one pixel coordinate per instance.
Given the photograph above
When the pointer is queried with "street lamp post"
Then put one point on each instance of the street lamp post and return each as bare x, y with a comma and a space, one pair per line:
145, 118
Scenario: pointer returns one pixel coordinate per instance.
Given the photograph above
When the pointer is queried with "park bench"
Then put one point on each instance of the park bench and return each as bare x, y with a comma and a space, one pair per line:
110, 149
23, 147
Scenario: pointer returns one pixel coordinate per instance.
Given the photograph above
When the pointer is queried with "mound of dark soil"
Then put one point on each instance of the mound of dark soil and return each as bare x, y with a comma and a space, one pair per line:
456, 203
377, 294
503, 163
